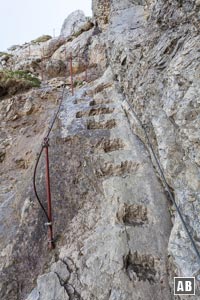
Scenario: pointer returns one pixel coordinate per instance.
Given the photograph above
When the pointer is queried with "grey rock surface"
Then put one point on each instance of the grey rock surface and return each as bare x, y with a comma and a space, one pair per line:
154, 59
73, 23
49, 287
55, 68
61, 269
34, 295
115, 253
101, 12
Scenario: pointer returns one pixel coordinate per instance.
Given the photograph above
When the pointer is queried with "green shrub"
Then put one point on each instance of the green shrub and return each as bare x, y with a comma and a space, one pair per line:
12, 82
14, 47
89, 19
5, 53
42, 39
78, 83
23, 75
77, 33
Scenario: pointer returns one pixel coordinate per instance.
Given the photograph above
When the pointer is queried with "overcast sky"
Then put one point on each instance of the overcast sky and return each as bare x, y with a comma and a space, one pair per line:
24, 20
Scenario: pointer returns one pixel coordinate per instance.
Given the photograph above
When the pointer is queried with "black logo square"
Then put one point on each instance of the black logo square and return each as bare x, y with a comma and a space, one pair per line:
184, 285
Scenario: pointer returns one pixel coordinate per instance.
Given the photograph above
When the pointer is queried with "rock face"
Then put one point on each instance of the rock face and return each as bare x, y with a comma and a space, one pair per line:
73, 23
158, 73
22, 124
101, 12
33, 57
115, 252
117, 235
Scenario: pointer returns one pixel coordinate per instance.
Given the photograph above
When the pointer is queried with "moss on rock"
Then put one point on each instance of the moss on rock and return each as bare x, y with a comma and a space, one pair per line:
7, 55
42, 39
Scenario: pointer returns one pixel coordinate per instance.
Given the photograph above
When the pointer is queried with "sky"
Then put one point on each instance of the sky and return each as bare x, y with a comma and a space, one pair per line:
24, 20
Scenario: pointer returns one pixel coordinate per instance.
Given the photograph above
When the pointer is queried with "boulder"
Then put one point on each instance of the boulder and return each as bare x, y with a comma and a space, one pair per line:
73, 23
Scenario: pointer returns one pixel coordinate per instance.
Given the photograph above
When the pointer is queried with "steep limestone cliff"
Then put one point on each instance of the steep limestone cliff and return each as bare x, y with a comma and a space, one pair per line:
155, 60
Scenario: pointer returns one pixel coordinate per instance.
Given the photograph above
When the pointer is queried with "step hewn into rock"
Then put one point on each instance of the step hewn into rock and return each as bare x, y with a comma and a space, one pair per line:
119, 156
109, 145
116, 163
100, 110
110, 169
100, 101
141, 267
109, 124
133, 215
132, 190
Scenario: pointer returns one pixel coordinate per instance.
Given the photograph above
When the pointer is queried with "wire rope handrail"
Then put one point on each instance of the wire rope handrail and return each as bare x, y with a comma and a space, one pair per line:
165, 181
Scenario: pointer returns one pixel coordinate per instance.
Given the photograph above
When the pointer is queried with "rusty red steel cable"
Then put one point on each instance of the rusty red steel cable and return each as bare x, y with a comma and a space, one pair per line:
65, 54
48, 189
71, 69
86, 72
71, 74
42, 71
45, 145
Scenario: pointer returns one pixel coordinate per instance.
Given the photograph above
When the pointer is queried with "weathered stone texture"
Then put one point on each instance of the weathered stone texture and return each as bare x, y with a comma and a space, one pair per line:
73, 23
155, 60
101, 12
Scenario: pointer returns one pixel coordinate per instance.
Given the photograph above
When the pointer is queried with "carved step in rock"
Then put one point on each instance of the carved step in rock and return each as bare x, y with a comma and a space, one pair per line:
141, 267
98, 89
95, 111
109, 145
135, 215
78, 101
132, 215
111, 169
100, 101
92, 124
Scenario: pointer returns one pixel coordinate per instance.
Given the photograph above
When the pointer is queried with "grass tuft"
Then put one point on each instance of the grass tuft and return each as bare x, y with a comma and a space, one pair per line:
12, 82
42, 39
6, 54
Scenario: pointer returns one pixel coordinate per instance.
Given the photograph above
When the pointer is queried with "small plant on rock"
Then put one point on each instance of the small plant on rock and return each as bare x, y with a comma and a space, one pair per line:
42, 39
12, 82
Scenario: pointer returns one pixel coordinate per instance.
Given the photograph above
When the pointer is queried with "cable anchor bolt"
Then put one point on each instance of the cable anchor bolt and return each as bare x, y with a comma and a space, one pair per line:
45, 142
48, 224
